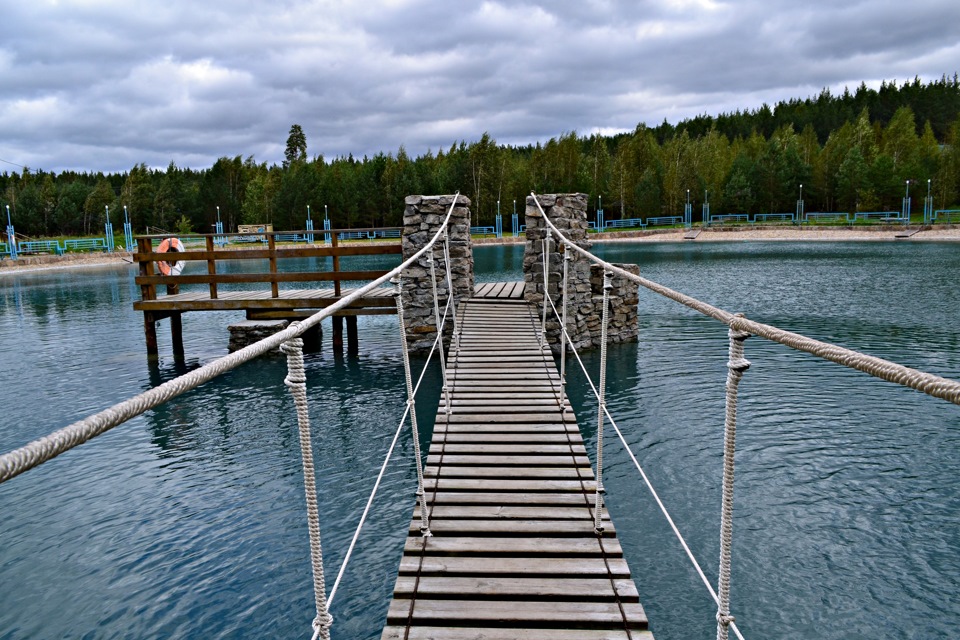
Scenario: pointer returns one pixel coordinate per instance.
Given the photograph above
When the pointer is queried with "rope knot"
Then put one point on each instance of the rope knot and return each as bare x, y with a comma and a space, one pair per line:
739, 365
322, 624
725, 618
292, 346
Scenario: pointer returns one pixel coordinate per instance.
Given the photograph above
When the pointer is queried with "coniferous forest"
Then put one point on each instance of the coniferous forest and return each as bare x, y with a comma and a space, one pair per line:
851, 152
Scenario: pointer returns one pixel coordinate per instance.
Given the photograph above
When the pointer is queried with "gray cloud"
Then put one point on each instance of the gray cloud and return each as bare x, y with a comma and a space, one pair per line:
105, 85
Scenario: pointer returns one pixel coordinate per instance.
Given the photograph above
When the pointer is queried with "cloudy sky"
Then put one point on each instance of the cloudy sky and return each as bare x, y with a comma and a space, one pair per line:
102, 85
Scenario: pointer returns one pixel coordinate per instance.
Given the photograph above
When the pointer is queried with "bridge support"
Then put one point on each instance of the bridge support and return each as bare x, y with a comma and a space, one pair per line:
568, 212
422, 217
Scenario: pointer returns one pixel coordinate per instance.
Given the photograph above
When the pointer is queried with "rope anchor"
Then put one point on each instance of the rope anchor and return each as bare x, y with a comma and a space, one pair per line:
296, 381
736, 366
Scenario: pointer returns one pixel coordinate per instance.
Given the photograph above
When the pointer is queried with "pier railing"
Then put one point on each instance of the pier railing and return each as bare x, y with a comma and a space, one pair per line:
275, 251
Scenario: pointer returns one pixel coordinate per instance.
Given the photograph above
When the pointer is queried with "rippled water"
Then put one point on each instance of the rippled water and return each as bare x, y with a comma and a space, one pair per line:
188, 521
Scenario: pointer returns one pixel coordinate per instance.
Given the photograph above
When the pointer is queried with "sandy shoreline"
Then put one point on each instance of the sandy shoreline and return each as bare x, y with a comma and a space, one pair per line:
733, 234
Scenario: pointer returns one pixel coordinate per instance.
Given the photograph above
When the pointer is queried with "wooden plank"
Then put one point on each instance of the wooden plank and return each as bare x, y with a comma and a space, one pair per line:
529, 485
508, 460
521, 588
536, 528
511, 566
511, 448
240, 278
532, 546
543, 498
425, 632
513, 612
529, 438
504, 473
508, 512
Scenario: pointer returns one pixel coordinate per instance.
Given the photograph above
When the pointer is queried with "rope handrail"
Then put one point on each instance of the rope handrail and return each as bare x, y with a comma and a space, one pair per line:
928, 383
50, 446
643, 474
386, 460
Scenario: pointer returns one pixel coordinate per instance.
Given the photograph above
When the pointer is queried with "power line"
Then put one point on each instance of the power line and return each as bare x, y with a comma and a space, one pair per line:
13, 163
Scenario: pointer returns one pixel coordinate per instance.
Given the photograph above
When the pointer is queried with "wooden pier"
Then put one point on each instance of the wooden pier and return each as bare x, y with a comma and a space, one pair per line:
514, 553
280, 296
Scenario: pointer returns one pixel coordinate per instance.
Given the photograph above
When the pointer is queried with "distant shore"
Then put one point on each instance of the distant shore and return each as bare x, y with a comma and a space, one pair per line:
720, 234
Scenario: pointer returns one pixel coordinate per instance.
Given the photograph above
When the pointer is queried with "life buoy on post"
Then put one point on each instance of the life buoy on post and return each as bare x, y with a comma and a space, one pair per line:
168, 268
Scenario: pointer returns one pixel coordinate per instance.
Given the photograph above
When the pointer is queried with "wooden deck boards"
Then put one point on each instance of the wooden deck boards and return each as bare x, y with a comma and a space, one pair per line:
510, 491
293, 298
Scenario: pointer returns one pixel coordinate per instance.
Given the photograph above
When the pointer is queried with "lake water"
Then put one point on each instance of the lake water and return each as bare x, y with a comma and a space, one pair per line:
189, 521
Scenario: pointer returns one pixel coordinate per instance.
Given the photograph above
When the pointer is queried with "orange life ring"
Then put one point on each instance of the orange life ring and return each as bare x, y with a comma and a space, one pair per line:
171, 268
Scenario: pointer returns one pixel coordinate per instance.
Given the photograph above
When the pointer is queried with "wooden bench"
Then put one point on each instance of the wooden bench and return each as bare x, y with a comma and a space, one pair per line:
40, 246
85, 244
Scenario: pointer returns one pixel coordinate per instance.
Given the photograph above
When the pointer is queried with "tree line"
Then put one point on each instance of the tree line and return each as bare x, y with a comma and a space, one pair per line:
850, 152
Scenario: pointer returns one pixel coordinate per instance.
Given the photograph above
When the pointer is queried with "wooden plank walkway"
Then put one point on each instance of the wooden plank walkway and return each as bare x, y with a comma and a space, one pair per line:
499, 290
514, 553
200, 300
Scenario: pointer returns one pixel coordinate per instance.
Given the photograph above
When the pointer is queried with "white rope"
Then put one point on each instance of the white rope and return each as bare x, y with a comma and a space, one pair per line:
451, 298
601, 400
649, 484
296, 381
421, 494
383, 467
567, 257
436, 315
922, 381
546, 284
736, 365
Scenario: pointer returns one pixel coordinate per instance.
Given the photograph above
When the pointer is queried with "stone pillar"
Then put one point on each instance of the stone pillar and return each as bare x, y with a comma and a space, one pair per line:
568, 212
622, 325
422, 216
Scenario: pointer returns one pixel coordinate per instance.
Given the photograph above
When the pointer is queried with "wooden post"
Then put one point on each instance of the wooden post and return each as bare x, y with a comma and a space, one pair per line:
176, 326
144, 247
147, 292
176, 333
150, 333
336, 267
337, 334
272, 246
353, 343
212, 268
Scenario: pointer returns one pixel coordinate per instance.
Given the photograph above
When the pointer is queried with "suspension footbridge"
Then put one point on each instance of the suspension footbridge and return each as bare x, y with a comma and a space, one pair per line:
509, 536
515, 546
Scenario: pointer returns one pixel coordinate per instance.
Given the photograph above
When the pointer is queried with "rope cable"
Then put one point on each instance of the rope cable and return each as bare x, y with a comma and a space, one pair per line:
296, 382
736, 365
421, 494
928, 383
383, 469
653, 492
